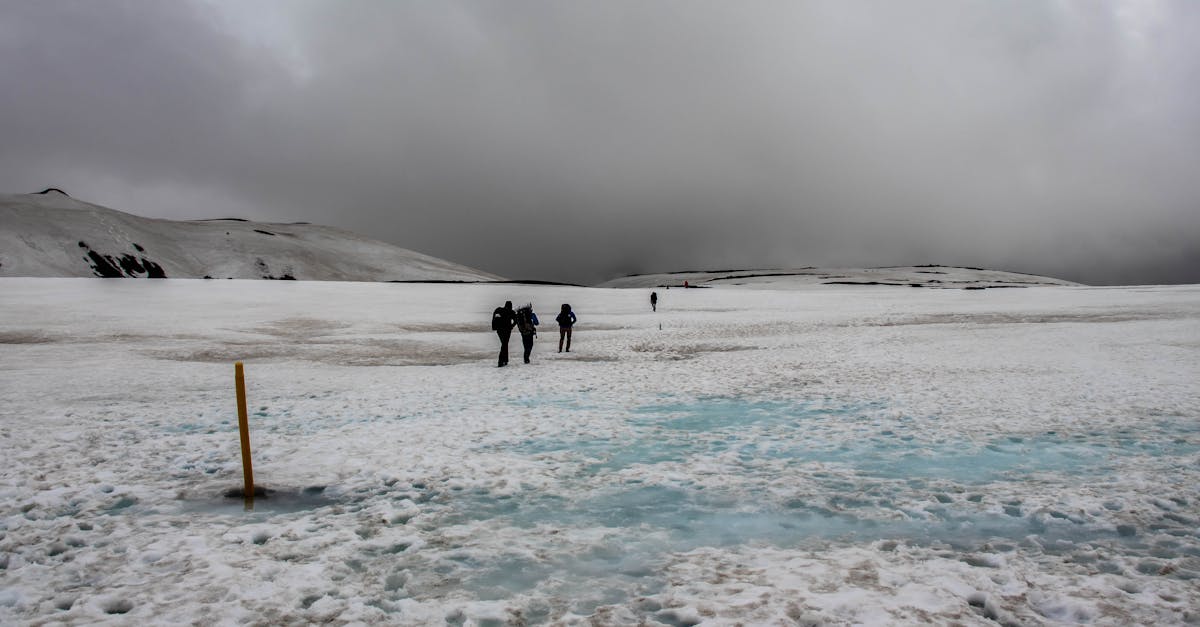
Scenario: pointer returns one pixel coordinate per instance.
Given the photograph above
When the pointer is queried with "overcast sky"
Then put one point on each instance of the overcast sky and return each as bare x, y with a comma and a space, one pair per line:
578, 141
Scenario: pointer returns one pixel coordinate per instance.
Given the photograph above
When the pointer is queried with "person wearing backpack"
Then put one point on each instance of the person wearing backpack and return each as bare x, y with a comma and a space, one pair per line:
527, 322
565, 320
503, 320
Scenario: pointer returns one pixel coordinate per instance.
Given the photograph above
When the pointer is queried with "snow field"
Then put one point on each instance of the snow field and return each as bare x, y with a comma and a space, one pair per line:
833, 455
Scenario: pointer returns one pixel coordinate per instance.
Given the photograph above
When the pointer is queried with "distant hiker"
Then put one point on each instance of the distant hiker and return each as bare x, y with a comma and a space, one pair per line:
653, 301
685, 284
565, 320
503, 320
527, 322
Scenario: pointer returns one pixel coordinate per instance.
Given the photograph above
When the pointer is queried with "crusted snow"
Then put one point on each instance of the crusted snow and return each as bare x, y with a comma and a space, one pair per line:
824, 455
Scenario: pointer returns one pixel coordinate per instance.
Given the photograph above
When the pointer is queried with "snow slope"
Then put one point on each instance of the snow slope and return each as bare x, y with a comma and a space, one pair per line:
819, 456
53, 235
945, 277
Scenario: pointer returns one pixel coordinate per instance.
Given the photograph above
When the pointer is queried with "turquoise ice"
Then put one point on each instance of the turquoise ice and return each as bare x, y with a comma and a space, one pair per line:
888, 482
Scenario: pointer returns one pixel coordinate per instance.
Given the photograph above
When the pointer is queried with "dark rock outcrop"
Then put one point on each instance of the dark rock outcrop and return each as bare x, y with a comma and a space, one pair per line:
126, 265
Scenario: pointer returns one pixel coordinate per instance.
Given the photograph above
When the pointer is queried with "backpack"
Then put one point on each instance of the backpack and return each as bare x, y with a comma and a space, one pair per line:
526, 320
498, 320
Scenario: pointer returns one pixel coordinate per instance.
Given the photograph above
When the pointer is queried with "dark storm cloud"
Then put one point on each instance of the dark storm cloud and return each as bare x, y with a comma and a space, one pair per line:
576, 141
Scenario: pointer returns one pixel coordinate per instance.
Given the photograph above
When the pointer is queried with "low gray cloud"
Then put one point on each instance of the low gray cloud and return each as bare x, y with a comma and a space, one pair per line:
577, 141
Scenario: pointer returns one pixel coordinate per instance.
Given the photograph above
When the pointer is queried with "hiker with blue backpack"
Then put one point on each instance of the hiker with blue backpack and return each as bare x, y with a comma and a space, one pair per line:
527, 322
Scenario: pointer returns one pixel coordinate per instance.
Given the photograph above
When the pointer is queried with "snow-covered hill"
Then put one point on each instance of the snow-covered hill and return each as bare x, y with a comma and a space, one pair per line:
911, 276
53, 235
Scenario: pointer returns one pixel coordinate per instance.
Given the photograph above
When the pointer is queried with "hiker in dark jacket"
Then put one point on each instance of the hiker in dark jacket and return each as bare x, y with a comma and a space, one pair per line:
565, 320
503, 320
653, 301
527, 322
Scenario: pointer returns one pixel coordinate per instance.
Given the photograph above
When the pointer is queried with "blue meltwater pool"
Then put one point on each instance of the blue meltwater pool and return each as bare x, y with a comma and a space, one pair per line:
726, 472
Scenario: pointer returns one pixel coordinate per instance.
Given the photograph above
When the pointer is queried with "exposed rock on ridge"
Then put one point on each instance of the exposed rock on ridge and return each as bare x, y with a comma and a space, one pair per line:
50, 234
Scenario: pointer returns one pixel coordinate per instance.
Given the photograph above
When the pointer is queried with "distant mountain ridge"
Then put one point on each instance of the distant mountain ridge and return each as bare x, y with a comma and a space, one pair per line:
944, 277
50, 234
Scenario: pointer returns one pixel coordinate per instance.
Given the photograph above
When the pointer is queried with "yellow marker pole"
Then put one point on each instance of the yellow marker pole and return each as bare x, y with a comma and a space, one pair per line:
244, 427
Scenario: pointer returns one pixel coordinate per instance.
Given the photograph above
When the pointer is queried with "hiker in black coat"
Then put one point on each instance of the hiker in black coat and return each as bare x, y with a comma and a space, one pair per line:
503, 320
653, 301
565, 320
